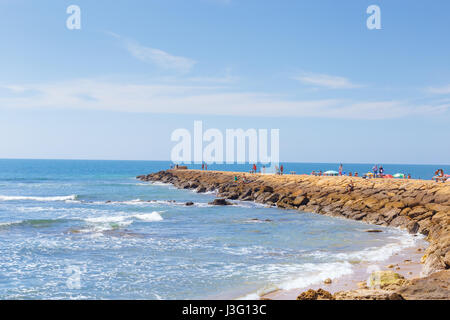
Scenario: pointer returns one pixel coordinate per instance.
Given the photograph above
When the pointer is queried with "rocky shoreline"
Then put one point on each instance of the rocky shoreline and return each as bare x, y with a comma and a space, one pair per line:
418, 206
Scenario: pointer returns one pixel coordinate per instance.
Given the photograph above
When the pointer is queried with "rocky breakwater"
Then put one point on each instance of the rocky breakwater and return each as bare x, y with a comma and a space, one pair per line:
416, 205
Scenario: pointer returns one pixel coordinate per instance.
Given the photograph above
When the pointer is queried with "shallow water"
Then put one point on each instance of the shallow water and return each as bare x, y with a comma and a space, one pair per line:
89, 230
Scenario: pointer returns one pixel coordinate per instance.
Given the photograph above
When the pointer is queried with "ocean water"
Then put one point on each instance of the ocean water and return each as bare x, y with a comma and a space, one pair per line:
90, 230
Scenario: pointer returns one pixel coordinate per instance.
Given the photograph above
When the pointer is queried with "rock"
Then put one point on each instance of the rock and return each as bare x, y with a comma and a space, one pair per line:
390, 266
381, 279
434, 287
395, 296
267, 189
300, 201
362, 285
374, 230
327, 281
413, 227
220, 202
273, 197
189, 203
311, 294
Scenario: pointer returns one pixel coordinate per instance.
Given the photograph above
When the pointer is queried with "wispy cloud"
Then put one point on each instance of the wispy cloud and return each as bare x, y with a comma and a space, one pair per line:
439, 90
157, 57
326, 81
205, 100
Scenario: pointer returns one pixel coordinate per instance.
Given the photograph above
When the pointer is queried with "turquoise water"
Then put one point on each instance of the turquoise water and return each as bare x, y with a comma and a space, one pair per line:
89, 230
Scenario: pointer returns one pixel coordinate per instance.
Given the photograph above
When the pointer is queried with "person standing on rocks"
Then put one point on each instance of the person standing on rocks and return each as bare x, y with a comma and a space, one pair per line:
375, 171
340, 169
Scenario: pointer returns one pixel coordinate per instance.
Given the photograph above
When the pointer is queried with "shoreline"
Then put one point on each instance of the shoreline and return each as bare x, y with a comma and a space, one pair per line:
419, 206
410, 270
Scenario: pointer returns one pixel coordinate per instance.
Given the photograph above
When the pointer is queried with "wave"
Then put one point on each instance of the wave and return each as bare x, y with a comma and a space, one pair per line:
53, 198
36, 223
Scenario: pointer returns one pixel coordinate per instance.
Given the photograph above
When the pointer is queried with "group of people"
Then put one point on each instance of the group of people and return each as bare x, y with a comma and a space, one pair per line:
278, 169
204, 166
440, 176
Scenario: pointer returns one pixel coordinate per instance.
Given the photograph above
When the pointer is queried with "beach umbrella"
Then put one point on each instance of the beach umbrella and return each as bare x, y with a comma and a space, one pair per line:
331, 173
399, 175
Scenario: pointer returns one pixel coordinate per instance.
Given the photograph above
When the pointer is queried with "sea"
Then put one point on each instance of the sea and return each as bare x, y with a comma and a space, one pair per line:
74, 229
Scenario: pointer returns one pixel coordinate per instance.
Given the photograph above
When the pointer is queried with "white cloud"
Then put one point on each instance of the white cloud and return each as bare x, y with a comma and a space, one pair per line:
439, 90
327, 81
156, 57
184, 99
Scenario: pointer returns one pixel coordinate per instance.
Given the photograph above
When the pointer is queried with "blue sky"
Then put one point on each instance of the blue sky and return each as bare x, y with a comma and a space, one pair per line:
137, 70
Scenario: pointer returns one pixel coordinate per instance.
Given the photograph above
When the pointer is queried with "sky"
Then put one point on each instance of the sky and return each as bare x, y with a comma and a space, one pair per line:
137, 70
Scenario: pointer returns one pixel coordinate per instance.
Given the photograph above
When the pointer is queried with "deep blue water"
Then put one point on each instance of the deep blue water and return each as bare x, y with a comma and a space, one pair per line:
85, 229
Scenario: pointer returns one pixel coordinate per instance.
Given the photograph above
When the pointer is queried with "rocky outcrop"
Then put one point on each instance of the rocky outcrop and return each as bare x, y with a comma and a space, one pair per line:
415, 205
433, 287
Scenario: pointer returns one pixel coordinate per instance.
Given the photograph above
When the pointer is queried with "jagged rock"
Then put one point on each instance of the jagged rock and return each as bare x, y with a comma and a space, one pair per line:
413, 227
220, 202
311, 294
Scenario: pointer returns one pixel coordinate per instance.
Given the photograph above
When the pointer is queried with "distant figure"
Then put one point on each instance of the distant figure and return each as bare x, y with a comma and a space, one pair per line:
320, 173
203, 166
264, 169
409, 176
206, 166
235, 178
254, 168
375, 171
281, 170
313, 173
381, 170
350, 174
356, 174
340, 169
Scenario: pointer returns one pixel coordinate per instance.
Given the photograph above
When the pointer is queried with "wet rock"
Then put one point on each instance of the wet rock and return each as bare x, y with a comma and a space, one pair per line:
413, 227
189, 203
374, 230
220, 202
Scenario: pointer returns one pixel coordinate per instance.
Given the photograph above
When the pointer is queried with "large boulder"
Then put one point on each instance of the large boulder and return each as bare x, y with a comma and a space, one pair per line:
383, 279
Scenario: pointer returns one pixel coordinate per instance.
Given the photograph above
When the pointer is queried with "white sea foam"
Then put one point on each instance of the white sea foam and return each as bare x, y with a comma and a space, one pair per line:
149, 217
105, 223
55, 198
317, 273
310, 274
373, 254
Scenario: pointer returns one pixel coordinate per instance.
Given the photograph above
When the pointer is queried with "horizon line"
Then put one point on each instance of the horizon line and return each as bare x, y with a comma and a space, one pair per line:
246, 163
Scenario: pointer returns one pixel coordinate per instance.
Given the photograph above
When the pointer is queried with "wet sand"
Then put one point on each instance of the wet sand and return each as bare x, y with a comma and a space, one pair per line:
407, 263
